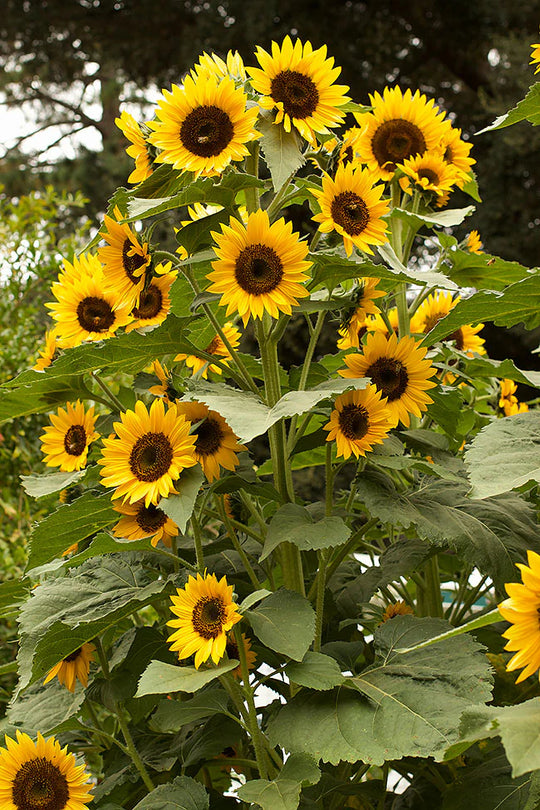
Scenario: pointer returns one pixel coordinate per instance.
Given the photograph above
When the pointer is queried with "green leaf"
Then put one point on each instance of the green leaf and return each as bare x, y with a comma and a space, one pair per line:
253, 598
519, 727
101, 544
475, 624
183, 793
444, 219
295, 403
281, 794
281, 150
294, 524
471, 187
285, 622
171, 715
527, 109
12, 594
316, 671
43, 708
404, 705
488, 785
38, 485
486, 367
430, 277
196, 235
504, 455
42, 394
483, 271
71, 523
180, 507
160, 678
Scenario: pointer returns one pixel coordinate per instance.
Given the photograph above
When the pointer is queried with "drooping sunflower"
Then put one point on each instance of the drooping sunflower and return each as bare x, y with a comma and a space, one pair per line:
154, 300
203, 125
138, 150
436, 306
66, 440
48, 352
299, 83
165, 388
215, 444
260, 267
74, 667
535, 56
142, 521
125, 260
456, 152
351, 205
522, 610
41, 776
232, 66
429, 172
400, 126
216, 347
359, 420
354, 323
152, 449
398, 369
396, 609
206, 612
473, 243
231, 649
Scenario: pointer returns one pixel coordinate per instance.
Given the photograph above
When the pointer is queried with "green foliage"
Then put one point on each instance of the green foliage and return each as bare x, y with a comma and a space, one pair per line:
182, 794
160, 678
285, 622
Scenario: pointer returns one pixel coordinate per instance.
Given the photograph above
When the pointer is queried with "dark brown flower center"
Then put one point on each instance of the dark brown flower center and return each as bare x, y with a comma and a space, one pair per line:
209, 435
347, 155
150, 457
433, 320
231, 647
389, 376
258, 269
353, 421
150, 303
39, 785
75, 440
132, 261
150, 518
396, 140
350, 211
206, 131
72, 656
458, 337
208, 616
214, 345
95, 314
448, 156
429, 175
296, 91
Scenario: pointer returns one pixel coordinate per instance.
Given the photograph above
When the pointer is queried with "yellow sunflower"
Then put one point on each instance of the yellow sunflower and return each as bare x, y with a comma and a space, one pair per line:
154, 300
231, 649
398, 369
360, 419
522, 610
351, 205
436, 306
206, 612
376, 323
199, 211
215, 444
299, 83
125, 260
65, 441
508, 400
83, 309
400, 126
41, 776
473, 243
429, 172
260, 267
48, 352
466, 339
535, 56
74, 667
138, 149
354, 324
165, 388
142, 521
152, 449
215, 347
232, 66
396, 609
203, 125
456, 152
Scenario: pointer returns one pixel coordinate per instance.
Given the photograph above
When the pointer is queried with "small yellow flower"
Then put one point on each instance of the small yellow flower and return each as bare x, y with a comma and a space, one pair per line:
74, 667
473, 243
215, 444
522, 610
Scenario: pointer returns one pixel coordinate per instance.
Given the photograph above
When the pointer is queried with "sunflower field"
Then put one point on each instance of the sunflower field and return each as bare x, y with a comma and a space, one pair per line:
267, 584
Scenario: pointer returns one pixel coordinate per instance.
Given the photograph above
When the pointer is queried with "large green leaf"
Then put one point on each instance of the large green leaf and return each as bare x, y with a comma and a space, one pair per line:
183, 793
519, 727
282, 793
12, 594
43, 708
294, 524
403, 705
171, 715
488, 785
38, 485
505, 455
281, 150
160, 678
316, 671
41, 393
526, 110
285, 622
483, 271
180, 507
444, 219
430, 277
486, 367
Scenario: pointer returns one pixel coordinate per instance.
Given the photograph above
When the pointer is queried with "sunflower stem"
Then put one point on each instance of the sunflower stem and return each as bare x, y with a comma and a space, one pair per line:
429, 598
236, 543
329, 493
106, 390
256, 733
403, 311
198, 544
319, 605
275, 205
252, 167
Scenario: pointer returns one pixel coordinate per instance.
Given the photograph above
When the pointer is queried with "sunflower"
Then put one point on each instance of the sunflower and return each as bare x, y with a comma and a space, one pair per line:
154, 301
351, 205
139, 148
359, 420
216, 347
354, 324
535, 56
48, 352
152, 449
466, 339
233, 66
125, 260
205, 611
83, 309
436, 306
74, 667
41, 776
142, 521
299, 83
376, 323
398, 369
456, 152
259, 267
215, 444
65, 441
400, 126
508, 400
199, 211
203, 125
231, 648
165, 388
473, 243
522, 610
396, 609
429, 172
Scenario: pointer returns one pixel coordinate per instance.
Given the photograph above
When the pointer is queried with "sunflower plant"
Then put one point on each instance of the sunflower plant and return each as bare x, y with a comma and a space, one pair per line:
267, 584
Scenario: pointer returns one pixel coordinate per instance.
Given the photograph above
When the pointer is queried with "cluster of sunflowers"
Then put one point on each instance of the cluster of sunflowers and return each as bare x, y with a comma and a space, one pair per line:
398, 164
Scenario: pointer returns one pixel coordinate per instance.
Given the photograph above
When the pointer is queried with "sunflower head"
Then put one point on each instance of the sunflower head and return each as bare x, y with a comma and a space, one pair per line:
216, 445
396, 609
139, 150
205, 612
359, 420
140, 521
66, 440
48, 353
232, 66
429, 172
535, 56
74, 667
154, 302
353, 324
216, 347
436, 306
473, 243
522, 610
456, 153
125, 260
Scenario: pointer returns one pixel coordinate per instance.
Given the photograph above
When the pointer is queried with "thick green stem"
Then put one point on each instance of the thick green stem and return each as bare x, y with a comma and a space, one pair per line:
252, 167
256, 733
319, 606
197, 536
429, 598
236, 543
112, 398
275, 206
